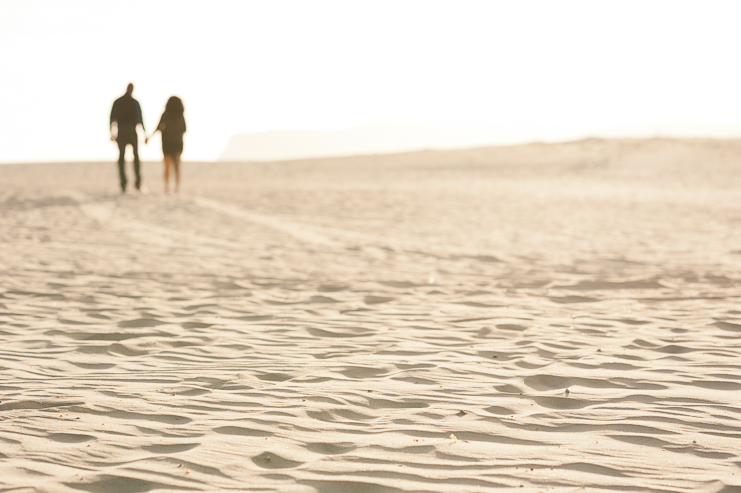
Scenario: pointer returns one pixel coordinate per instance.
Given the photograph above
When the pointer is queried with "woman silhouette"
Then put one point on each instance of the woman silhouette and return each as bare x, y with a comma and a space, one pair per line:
172, 128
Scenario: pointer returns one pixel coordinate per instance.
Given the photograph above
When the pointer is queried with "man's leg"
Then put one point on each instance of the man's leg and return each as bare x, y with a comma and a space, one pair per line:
135, 146
122, 163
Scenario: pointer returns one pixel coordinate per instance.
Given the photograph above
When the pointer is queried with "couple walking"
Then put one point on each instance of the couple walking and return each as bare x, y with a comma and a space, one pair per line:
127, 114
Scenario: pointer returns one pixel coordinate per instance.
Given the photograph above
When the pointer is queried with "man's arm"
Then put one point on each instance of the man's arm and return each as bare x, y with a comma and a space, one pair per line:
139, 119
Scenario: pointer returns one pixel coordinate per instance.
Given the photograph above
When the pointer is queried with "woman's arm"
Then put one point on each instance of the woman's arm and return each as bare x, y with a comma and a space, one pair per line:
160, 127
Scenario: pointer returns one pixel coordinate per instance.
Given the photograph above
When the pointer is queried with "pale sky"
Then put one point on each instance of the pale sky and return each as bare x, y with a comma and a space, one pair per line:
248, 66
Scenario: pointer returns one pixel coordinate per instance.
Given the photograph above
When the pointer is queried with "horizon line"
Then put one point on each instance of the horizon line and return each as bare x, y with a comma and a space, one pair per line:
387, 153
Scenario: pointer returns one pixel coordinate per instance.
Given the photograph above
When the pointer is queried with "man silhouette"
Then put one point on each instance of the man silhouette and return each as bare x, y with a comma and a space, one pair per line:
127, 114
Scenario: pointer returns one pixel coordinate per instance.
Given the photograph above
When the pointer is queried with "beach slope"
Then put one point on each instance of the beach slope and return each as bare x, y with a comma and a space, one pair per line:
547, 316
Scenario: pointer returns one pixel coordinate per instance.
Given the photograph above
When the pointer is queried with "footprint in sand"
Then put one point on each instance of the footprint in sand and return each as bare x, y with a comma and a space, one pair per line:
269, 460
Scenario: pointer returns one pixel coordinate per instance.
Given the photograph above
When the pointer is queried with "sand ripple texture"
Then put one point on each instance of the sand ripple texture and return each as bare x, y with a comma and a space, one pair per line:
547, 320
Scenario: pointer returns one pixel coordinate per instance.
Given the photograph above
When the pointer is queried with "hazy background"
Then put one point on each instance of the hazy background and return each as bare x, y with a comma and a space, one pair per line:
550, 69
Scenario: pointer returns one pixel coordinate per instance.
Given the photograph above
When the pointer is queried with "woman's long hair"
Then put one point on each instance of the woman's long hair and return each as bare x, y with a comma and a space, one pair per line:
174, 106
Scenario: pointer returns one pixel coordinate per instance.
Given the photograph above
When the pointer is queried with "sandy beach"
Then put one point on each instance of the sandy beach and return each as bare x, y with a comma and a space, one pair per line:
544, 317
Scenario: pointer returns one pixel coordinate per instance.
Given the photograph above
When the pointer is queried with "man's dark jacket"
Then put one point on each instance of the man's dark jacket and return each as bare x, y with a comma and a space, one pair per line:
126, 112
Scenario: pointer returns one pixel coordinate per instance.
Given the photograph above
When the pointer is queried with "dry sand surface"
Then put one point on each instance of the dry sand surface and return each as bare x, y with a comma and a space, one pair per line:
542, 316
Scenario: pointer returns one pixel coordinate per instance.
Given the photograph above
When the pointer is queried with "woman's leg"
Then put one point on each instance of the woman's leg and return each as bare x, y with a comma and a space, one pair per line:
176, 164
168, 165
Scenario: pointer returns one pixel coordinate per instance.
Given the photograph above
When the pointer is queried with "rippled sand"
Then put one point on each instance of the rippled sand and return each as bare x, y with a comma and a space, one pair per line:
546, 316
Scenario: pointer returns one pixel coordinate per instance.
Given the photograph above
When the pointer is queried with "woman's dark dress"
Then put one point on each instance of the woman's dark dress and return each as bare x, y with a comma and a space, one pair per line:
172, 128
